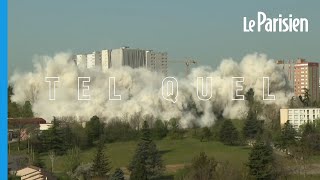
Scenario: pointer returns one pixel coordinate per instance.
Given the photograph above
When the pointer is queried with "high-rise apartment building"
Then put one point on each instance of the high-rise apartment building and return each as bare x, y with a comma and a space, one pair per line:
157, 61
94, 60
105, 60
126, 56
80, 60
306, 76
288, 68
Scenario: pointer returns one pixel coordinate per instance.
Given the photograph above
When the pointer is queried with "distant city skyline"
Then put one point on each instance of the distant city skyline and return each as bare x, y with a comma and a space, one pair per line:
207, 31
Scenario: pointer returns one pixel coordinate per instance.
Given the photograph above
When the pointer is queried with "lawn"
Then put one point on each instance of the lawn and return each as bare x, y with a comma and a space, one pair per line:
173, 152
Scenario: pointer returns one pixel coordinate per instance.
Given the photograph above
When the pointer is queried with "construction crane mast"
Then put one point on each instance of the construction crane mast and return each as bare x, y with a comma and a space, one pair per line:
187, 63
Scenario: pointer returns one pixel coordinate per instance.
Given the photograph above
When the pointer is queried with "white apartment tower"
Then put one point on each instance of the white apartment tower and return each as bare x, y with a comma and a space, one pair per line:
80, 60
157, 61
105, 60
94, 60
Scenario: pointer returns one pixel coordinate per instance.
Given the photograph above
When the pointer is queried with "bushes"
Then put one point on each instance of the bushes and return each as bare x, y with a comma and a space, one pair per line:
160, 129
207, 168
175, 131
117, 130
201, 168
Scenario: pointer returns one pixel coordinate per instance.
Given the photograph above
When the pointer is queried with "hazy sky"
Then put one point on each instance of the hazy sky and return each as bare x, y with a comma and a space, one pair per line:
205, 30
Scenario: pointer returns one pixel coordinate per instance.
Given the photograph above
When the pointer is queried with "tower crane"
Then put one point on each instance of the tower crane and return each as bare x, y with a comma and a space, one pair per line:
187, 63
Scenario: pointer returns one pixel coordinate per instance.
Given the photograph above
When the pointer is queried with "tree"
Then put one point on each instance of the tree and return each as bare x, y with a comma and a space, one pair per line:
261, 162
13, 177
286, 138
26, 110
94, 129
272, 115
249, 96
37, 161
53, 138
52, 157
146, 162
175, 131
68, 136
120, 130
101, 164
205, 134
118, 175
311, 138
13, 107
80, 137
228, 133
83, 172
160, 129
301, 153
308, 129
306, 99
226, 170
73, 159
201, 168
252, 126
139, 172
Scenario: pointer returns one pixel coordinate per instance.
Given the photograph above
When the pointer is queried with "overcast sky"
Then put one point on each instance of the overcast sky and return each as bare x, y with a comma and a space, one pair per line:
205, 30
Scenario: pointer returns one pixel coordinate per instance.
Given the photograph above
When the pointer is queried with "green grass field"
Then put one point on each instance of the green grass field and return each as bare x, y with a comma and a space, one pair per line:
173, 152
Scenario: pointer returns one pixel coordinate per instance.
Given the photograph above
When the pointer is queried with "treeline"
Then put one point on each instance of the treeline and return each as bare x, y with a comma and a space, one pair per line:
304, 100
70, 138
67, 132
15, 110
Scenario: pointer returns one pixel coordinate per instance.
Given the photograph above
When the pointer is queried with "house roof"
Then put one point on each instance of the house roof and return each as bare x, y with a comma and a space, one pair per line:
34, 173
24, 121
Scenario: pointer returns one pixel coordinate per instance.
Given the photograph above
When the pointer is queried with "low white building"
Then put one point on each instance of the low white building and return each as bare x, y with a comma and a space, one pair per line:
299, 116
44, 127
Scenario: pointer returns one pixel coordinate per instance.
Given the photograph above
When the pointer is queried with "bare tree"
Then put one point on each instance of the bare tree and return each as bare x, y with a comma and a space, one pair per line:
150, 120
52, 157
135, 121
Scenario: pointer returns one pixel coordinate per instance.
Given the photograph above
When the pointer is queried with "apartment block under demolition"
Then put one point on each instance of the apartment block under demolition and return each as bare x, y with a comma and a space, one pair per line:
299, 116
124, 56
302, 75
306, 77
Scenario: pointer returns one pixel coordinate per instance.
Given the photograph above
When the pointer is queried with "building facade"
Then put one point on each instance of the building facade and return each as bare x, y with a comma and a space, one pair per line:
94, 60
306, 75
288, 68
125, 56
105, 60
157, 61
299, 116
80, 60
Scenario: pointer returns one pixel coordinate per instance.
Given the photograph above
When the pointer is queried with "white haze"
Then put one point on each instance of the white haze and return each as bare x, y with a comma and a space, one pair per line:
141, 90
